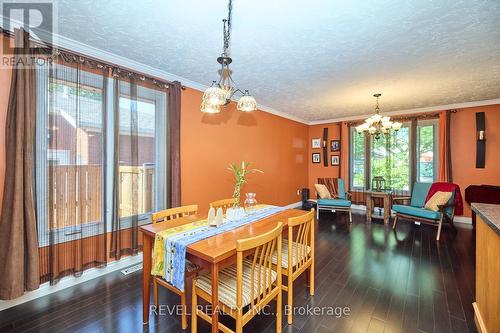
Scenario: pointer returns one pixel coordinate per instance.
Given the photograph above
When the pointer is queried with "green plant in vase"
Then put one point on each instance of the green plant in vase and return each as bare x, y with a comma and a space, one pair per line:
240, 173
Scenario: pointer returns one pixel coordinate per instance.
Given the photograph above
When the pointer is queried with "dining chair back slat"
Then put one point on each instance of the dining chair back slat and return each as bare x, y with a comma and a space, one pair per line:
257, 281
261, 248
170, 216
174, 213
224, 204
299, 255
302, 237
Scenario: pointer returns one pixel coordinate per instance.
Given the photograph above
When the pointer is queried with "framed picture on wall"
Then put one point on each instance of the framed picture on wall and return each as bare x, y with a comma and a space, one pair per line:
334, 146
316, 158
316, 143
335, 160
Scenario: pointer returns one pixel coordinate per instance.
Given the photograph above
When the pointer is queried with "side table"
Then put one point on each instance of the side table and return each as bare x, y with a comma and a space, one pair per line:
387, 198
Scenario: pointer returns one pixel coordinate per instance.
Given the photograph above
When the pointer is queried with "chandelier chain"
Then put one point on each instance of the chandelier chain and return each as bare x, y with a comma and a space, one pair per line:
221, 93
227, 26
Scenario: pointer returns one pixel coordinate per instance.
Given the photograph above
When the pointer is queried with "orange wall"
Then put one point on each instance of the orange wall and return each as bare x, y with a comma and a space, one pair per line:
209, 142
463, 148
5, 76
318, 170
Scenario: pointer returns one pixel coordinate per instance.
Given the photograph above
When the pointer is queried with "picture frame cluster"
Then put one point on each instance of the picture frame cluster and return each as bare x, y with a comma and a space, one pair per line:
335, 147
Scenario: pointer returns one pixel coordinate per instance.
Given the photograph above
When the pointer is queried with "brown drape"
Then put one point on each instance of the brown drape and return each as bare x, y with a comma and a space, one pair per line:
344, 153
444, 174
413, 153
19, 264
173, 153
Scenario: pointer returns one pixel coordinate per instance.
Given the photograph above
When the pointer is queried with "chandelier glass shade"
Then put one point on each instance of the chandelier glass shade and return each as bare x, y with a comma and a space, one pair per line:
247, 103
214, 95
377, 124
222, 91
207, 107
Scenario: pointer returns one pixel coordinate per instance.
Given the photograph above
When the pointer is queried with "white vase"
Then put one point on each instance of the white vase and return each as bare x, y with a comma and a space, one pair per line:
235, 213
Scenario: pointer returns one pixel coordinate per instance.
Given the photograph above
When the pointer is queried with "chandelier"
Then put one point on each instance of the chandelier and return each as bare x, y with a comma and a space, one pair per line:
222, 91
376, 124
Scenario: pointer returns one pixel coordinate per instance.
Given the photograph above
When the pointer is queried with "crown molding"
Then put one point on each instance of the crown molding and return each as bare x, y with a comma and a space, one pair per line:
412, 111
282, 114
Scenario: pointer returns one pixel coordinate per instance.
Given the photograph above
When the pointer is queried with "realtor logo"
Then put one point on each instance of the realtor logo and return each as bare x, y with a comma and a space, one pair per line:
35, 17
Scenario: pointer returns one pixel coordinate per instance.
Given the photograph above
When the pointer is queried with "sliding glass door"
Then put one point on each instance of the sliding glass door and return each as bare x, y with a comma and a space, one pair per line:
100, 153
70, 138
141, 162
69, 154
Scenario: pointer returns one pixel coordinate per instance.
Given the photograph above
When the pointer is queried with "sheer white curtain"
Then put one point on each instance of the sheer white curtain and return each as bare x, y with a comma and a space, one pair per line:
139, 175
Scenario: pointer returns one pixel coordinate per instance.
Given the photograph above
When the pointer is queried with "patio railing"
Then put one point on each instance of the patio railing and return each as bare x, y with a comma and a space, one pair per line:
75, 194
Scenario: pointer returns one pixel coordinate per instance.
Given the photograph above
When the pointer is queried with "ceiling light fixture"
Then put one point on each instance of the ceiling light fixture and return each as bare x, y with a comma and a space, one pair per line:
376, 124
221, 92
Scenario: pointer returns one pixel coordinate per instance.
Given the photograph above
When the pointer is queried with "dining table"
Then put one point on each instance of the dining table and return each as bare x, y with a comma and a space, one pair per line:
212, 254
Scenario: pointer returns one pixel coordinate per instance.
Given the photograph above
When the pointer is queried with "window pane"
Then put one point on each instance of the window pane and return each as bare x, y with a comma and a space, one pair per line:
390, 159
136, 153
426, 147
357, 160
74, 149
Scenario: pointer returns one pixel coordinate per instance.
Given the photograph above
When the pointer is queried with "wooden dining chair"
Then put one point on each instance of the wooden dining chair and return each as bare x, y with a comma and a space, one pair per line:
244, 288
297, 255
224, 204
170, 216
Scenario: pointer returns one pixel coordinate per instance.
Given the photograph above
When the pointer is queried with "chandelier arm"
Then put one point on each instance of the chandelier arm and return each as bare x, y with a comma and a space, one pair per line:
229, 77
221, 76
234, 93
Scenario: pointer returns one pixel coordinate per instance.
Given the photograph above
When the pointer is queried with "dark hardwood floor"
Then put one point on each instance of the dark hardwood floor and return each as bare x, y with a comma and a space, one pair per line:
391, 282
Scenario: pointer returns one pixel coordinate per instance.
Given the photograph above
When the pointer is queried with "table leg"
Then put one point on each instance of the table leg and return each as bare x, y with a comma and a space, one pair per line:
369, 212
146, 277
215, 297
387, 209
368, 208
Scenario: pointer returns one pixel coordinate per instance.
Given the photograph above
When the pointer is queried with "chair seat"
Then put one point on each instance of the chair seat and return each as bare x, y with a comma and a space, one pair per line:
227, 283
295, 254
417, 212
334, 202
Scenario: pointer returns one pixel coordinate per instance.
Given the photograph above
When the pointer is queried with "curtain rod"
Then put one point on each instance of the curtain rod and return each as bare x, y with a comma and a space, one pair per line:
10, 34
416, 116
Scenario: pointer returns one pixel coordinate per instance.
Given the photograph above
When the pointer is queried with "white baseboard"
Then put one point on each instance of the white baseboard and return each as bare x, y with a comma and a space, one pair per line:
359, 207
463, 219
70, 281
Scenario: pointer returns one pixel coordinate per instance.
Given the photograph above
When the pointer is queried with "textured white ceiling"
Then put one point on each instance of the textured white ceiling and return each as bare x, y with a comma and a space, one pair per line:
310, 59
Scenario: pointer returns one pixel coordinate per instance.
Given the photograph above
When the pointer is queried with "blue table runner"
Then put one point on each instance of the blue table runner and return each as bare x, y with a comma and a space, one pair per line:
175, 245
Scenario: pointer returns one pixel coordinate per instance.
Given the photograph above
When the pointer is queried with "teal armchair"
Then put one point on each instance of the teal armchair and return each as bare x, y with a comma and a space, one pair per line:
340, 202
415, 211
